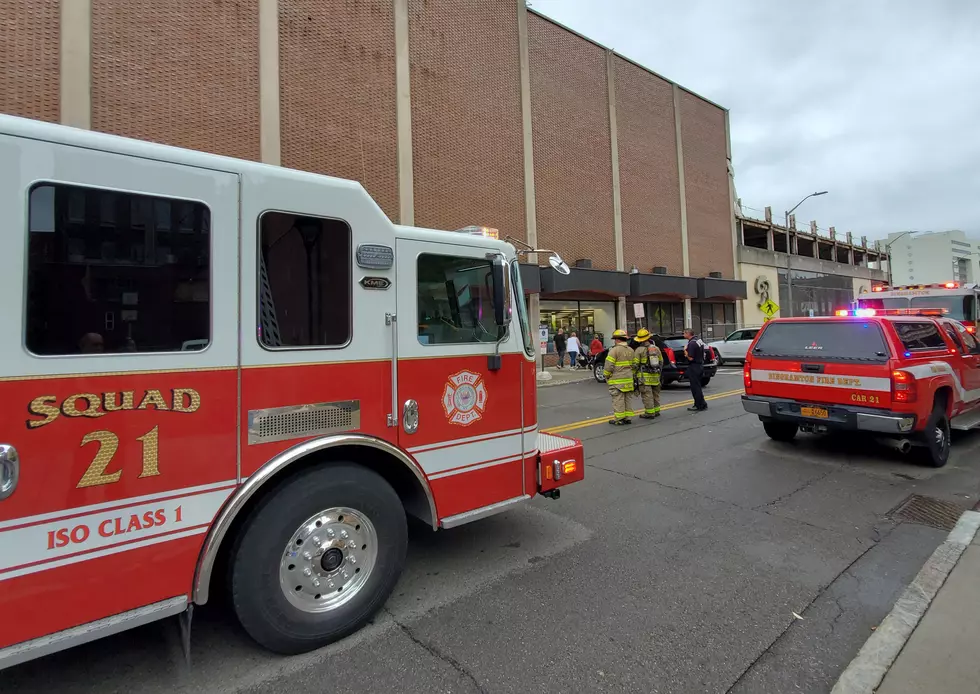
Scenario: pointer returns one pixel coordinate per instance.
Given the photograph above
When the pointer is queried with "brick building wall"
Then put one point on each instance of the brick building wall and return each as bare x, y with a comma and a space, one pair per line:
466, 115
29, 58
649, 187
337, 92
180, 72
709, 215
572, 150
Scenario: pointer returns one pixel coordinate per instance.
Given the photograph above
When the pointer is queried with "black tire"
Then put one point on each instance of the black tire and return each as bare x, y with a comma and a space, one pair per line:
780, 431
259, 602
597, 373
705, 381
935, 437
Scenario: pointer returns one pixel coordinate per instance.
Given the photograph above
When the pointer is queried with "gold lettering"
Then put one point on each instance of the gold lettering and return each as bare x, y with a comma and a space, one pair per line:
109, 401
40, 407
69, 409
193, 397
95, 474
151, 452
153, 397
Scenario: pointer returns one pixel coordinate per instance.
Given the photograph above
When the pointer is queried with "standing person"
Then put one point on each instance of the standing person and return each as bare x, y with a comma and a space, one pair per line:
574, 347
596, 347
647, 363
618, 371
560, 346
695, 355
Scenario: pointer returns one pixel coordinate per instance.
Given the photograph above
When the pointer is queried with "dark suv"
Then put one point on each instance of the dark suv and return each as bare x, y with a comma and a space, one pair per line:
675, 363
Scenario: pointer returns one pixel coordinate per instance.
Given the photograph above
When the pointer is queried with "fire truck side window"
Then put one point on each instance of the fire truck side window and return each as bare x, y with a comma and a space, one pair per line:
116, 272
455, 300
304, 281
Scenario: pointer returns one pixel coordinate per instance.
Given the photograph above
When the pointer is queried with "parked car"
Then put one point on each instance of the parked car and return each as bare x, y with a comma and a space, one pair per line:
675, 363
735, 346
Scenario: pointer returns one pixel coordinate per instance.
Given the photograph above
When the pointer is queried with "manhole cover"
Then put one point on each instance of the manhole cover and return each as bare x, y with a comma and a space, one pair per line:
925, 510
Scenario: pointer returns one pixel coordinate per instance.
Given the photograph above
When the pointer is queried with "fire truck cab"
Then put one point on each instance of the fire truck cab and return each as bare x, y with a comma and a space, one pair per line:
219, 374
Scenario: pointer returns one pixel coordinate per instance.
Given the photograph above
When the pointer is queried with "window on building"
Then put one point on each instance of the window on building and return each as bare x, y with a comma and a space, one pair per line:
99, 282
304, 281
920, 335
455, 300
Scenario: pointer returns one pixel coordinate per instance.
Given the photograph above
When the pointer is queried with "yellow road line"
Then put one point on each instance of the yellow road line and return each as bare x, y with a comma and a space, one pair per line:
599, 420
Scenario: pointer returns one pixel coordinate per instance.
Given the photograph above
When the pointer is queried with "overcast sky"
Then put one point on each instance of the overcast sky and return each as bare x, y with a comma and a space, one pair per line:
877, 101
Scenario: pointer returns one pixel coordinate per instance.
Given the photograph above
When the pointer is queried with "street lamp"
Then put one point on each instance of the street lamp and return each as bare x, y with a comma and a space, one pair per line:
789, 253
888, 252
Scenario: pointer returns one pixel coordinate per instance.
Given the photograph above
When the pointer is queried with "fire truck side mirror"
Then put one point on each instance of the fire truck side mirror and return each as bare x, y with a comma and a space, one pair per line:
501, 305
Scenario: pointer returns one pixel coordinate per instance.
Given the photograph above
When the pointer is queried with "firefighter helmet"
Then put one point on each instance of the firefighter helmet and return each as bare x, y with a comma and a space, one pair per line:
620, 335
642, 335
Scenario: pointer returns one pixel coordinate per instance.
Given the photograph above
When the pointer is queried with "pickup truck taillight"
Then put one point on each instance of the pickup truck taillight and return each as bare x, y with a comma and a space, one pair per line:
903, 387
747, 371
669, 354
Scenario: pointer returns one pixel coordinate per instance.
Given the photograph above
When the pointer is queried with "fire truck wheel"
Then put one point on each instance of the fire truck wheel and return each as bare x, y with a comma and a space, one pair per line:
780, 431
935, 437
318, 557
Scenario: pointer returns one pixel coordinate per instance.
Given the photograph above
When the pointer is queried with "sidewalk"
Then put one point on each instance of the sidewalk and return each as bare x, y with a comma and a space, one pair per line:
930, 641
560, 377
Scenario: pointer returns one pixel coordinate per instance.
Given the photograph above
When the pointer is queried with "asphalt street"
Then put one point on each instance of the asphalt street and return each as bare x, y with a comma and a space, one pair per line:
697, 556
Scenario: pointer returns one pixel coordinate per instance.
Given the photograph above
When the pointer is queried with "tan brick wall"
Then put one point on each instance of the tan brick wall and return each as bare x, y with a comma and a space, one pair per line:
572, 151
467, 144
29, 55
337, 87
706, 187
649, 188
181, 72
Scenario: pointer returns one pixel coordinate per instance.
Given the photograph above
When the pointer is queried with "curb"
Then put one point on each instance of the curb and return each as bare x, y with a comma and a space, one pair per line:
865, 673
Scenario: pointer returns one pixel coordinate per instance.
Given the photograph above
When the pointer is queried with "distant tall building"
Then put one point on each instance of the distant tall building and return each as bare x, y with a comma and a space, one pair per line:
934, 256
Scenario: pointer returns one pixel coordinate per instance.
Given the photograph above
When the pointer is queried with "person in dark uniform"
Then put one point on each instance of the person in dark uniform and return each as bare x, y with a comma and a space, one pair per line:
695, 355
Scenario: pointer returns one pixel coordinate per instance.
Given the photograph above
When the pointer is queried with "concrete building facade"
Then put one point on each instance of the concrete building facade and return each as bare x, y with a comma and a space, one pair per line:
932, 257
450, 112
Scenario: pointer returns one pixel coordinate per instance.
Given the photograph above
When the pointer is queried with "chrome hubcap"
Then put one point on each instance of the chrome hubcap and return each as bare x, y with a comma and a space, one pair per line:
328, 559
940, 438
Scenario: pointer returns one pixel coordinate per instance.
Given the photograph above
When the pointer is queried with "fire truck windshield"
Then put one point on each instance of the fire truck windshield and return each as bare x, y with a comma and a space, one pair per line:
956, 306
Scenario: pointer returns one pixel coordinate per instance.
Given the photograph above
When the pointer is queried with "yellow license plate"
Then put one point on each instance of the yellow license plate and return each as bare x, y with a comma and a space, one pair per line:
818, 412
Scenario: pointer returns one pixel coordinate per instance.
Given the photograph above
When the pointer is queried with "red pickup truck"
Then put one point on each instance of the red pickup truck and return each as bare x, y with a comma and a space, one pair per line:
906, 378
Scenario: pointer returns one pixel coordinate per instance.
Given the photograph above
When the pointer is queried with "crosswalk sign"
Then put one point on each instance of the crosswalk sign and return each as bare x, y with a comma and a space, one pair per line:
769, 308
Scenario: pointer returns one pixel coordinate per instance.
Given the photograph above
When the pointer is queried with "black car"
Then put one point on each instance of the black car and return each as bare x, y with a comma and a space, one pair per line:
675, 363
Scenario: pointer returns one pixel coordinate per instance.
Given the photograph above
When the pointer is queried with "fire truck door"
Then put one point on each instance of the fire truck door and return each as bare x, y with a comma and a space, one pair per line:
118, 384
460, 420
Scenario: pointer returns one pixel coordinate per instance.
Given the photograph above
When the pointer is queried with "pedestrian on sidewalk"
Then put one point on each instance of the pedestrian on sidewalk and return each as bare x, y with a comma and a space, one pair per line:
596, 347
618, 371
560, 346
647, 362
695, 369
574, 347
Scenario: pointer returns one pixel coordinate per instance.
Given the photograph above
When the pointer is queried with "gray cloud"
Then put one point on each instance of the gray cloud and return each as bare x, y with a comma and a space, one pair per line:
877, 101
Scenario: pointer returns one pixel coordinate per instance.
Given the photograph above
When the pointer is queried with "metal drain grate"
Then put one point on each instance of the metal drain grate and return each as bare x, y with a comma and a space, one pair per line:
925, 510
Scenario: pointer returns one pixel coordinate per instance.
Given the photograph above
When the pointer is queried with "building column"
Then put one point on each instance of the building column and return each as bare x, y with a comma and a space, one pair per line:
270, 134
685, 251
403, 116
76, 63
736, 270
614, 141
621, 318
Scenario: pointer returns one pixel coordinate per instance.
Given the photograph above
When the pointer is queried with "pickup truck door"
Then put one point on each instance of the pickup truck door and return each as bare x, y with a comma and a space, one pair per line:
969, 372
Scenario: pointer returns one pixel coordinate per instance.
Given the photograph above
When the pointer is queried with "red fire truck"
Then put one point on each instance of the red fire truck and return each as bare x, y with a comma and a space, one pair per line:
947, 300
221, 375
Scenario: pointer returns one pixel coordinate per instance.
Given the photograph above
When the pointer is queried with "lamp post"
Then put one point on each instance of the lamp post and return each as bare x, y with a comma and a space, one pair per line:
789, 253
888, 253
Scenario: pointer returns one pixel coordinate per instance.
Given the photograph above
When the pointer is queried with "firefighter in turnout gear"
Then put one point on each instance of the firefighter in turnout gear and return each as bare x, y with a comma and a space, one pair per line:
618, 371
647, 361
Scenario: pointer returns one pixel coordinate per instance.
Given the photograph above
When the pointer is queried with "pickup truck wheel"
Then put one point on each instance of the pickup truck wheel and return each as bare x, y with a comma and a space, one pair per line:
705, 381
935, 436
780, 431
317, 557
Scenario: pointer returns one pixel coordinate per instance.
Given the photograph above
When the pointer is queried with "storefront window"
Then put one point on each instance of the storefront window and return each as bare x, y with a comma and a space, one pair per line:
661, 318
713, 320
586, 318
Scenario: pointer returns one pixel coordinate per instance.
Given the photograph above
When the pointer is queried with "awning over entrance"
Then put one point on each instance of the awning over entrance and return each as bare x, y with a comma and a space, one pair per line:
716, 288
645, 284
608, 282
